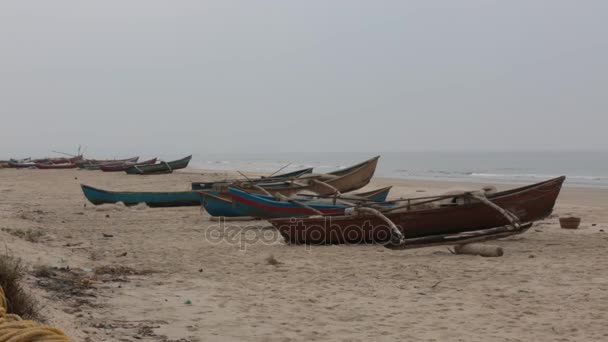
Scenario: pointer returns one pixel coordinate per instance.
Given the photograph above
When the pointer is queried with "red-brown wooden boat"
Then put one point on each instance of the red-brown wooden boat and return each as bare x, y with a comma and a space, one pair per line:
530, 203
56, 166
123, 166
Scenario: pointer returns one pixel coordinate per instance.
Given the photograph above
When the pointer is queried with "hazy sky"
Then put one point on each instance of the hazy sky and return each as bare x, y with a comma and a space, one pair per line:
278, 76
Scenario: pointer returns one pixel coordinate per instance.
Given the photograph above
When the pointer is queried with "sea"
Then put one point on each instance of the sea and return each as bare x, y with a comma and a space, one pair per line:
582, 168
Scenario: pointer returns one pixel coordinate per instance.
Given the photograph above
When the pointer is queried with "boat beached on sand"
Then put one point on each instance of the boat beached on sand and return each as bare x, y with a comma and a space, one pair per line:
261, 180
123, 166
56, 166
93, 164
341, 181
238, 203
267, 207
160, 167
468, 217
152, 199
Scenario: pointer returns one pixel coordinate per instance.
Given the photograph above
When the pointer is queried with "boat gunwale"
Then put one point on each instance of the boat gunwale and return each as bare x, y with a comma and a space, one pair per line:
426, 211
134, 192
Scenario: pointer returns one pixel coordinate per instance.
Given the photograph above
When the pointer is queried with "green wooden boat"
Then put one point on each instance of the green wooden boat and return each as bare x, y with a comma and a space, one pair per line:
160, 167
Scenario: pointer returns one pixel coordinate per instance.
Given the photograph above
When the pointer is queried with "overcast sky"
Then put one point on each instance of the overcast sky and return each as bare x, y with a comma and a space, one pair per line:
279, 76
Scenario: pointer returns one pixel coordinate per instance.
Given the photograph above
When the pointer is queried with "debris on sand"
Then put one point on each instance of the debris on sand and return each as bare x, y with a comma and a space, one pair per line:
118, 206
120, 270
31, 235
140, 206
272, 261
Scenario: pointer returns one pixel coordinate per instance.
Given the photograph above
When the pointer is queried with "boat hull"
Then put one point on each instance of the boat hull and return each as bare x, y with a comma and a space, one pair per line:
92, 164
215, 204
349, 179
222, 204
266, 207
199, 186
117, 167
55, 166
160, 168
529, 203
152, 199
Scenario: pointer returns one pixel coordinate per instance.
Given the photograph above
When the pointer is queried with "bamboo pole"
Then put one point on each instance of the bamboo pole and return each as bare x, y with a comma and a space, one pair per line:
298, 203
396, 234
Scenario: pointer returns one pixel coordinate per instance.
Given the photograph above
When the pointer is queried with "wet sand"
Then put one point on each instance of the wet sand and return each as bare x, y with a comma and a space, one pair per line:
142, 274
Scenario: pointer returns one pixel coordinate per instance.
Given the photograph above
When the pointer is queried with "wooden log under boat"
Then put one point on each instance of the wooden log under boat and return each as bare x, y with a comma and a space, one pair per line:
530, 203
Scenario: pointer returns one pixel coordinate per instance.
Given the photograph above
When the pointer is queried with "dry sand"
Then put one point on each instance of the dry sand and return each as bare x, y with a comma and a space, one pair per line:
173, 284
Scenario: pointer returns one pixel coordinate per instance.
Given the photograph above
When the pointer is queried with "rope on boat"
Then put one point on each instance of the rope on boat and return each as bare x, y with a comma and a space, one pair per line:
168, 166
15, 329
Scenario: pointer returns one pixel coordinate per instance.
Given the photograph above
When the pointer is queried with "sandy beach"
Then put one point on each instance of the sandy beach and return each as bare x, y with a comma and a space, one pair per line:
140, 274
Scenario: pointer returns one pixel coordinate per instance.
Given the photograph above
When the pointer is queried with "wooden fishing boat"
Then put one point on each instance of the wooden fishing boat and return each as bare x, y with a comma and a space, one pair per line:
92, 164
266, 207
342, 181
469, 216
218, 204
61, 160
115, 167
90, 167
227, 182
56, 166
221, 204
158, 168
21, 164
152, 199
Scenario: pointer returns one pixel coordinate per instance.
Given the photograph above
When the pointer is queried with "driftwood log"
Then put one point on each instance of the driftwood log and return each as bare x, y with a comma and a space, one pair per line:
479, 249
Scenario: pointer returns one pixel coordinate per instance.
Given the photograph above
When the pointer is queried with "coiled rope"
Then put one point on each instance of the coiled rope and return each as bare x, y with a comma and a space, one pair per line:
15, 329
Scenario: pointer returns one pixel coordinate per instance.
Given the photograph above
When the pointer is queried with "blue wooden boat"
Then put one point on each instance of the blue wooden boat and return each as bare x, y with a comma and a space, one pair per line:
216, 204
284, 176
222, 204
152, 199
266, 207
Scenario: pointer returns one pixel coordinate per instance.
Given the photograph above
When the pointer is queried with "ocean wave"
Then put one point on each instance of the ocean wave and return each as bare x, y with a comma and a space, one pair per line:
534, 176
